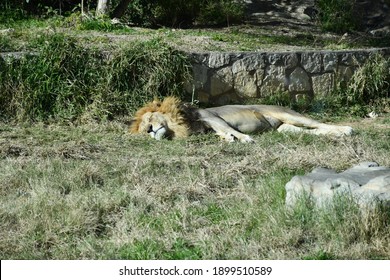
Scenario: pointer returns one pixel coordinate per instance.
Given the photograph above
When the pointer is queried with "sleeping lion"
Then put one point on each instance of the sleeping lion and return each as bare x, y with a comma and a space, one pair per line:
172, 119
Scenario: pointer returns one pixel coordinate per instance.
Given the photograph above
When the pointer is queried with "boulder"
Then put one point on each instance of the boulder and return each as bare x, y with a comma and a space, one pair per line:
367, 183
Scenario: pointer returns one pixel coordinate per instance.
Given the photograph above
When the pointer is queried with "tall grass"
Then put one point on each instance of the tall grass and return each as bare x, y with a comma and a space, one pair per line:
370, 84
366, 91
68, 80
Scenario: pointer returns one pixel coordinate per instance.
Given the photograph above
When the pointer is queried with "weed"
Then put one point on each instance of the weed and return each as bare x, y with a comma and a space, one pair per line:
98, 24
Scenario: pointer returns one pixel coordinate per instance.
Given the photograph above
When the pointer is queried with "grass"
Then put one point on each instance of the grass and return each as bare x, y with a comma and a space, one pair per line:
93, 191
28, 32
69, 81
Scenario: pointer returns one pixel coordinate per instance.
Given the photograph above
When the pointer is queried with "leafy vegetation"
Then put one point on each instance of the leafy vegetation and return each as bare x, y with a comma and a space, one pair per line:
338, 15
171, 13
179, 13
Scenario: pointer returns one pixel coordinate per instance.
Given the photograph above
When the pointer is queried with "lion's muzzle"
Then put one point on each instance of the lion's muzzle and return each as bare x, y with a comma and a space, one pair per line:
158, 133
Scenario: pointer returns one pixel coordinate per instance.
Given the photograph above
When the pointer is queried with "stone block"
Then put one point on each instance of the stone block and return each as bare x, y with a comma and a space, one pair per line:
200, 75
275, 59
274, 80
330, 61
323, 84
221, 81
245, 85
226, 98
353, 59
345, 73
259, 74
311, 62
299, 81
217, 60
290, 60
249, 63
203, 96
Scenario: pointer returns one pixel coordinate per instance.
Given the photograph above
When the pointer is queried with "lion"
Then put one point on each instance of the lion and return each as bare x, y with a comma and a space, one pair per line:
173, 119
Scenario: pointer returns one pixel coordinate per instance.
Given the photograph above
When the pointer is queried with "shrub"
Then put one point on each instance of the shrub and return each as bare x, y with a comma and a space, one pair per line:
66, 80
370, 82
185, 13
338, 15
221, 12
367, 90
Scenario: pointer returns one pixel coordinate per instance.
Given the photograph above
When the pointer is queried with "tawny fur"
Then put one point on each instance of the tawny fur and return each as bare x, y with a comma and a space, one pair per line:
172, 119
169, 106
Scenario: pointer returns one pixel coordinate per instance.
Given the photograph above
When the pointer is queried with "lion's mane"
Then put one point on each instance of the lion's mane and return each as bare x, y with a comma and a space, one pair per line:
172, 108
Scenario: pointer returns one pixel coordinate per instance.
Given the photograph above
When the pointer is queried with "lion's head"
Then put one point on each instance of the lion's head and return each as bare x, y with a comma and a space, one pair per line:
161, 119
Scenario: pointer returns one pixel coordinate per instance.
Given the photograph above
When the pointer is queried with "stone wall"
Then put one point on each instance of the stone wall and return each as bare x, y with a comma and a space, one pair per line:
221, 78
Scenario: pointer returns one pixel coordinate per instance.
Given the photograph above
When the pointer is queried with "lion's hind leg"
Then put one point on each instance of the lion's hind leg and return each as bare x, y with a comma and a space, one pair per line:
294, 122
320, 129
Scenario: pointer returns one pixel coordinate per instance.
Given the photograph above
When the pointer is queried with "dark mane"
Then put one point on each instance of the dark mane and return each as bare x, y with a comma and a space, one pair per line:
192, 117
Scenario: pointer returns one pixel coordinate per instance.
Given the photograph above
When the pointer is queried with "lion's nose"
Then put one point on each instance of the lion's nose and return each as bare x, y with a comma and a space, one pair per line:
150, 129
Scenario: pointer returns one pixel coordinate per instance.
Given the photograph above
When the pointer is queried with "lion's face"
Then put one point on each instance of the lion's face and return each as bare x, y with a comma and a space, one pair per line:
156, 125
161, 120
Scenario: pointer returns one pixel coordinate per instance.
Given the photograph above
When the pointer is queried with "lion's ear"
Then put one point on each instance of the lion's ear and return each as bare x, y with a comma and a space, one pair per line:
157, 103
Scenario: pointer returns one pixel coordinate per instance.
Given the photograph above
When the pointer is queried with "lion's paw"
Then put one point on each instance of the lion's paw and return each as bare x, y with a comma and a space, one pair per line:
246, 139
347, 130
341, 131
227, 137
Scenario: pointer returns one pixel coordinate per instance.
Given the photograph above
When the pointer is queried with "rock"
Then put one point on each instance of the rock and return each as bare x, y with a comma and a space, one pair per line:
245, 84
275, 59
221, 81
311, 62
290, 60
323, 84
217, 60
299, 81
249, 63
330, 62
274, 80
353, 59
200, 75
345, 73
368, 183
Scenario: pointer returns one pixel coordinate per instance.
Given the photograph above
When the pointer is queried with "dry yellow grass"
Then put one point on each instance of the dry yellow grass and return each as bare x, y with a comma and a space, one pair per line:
95, 192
